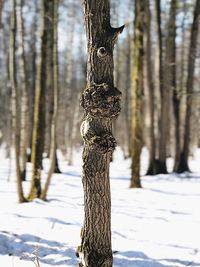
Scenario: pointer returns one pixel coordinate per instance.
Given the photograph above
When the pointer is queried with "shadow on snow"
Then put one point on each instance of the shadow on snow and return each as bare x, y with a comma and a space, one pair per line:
27, 247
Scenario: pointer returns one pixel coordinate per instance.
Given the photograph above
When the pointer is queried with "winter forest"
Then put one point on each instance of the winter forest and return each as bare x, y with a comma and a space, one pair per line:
99, 133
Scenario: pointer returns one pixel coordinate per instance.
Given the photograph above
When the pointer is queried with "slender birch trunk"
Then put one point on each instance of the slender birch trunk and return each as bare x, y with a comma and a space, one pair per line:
15, 103
39, 108
24, 140
33, 79
127, 108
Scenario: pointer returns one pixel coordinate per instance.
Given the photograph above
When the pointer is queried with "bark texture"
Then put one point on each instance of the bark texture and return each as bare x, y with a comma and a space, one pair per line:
137, 93
101, 101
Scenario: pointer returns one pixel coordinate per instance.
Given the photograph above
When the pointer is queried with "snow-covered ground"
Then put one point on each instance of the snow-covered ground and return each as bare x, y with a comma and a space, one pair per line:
156, 226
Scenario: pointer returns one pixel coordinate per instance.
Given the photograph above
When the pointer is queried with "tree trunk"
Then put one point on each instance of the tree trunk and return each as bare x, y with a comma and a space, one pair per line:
69, 90
55, 99
49, 84
137, 93
24, 140
101, 101
176, 94
1, 8
15, 104
32, 85
163, 129
152, 169
127, 108
183, 164
56, 168
39, 109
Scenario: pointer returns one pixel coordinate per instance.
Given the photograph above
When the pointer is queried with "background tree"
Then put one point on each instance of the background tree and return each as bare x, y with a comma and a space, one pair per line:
152, 168
55, 99
166, 63
39, 107
163, 120
137, 93
1, 7
175, 91
169, 86
15, 103
24, 112
183, 164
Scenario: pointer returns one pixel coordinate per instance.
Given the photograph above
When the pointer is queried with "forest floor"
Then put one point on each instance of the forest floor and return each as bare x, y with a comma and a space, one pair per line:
157, 226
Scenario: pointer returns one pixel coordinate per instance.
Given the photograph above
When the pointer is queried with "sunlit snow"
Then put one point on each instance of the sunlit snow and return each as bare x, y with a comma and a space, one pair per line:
157, 226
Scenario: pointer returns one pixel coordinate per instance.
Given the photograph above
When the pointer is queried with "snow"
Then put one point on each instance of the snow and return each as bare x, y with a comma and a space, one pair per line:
157, 226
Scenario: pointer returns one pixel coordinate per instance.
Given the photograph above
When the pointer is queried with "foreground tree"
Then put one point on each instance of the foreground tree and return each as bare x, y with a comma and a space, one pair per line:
137, 93
101, 101
183, 163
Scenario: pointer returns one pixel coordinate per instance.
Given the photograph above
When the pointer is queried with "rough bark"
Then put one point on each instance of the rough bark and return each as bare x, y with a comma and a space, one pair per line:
55, 100
15, 103
183, 164
137, 93
101, 101
24, 138
39, 109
